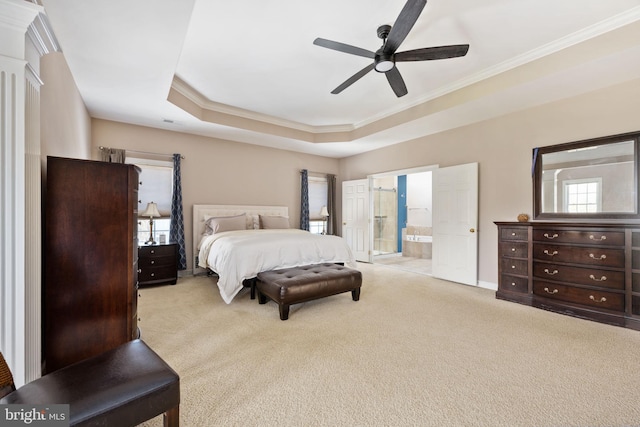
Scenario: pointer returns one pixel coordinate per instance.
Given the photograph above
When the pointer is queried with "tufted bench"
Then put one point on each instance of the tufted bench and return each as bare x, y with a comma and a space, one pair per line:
300, 284
121, 387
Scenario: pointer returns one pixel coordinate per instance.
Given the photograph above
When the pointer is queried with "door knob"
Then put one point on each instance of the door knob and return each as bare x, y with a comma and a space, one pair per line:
472, 230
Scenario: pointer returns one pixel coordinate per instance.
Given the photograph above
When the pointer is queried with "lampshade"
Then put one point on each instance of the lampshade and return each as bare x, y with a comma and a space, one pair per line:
324, 211
151, 211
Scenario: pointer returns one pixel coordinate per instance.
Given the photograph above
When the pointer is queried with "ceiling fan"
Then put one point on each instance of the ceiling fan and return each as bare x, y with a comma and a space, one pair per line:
385, 58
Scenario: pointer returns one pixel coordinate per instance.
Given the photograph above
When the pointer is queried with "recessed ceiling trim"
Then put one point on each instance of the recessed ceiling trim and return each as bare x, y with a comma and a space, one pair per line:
206, 104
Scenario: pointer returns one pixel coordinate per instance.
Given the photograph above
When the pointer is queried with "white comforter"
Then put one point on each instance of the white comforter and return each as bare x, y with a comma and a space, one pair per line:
239, 255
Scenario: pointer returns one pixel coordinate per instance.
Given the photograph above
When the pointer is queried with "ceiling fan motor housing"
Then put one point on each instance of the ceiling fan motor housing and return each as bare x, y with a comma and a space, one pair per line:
383, 31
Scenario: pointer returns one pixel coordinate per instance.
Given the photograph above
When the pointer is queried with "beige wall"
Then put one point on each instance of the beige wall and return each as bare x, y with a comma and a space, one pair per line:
65, 125
503, 149
220, 172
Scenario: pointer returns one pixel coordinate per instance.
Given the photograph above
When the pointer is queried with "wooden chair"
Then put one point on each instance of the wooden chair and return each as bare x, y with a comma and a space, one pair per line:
121, 387
6, 379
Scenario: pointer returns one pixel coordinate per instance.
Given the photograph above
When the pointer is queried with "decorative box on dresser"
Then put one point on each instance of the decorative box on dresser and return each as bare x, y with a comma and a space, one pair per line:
158, 264
588, 270
90, 251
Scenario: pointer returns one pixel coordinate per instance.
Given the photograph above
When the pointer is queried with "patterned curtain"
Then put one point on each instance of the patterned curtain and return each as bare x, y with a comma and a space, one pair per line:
112, 155
176, 231
304, 200
331, 204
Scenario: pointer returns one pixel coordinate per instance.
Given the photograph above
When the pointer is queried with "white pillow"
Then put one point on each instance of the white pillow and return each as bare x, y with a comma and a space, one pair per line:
255, 222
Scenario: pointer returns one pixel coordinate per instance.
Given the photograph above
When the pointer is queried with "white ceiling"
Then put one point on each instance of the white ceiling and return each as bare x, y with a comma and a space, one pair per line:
248, 70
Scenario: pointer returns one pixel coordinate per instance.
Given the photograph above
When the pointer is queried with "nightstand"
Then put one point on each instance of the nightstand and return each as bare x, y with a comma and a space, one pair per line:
158, 264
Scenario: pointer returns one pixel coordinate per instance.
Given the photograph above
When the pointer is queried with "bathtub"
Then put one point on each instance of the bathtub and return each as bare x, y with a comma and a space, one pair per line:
417, 246
419, 238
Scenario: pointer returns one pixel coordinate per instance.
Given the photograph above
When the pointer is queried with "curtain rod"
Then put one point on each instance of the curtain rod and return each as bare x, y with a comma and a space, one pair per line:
318, 173
143, 152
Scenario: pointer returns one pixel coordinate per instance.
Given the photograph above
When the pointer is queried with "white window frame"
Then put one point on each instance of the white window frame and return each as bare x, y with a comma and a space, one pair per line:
566, 190
161, 226
318, 197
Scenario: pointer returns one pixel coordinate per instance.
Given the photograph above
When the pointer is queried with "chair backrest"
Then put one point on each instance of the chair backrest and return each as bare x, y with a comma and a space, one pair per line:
6, 379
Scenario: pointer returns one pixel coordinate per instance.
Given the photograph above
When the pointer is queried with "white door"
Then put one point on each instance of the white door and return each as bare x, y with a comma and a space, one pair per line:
455, 223
355, 217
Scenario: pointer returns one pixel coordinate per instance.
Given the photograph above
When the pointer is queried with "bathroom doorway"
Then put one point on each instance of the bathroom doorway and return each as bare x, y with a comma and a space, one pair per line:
402, 219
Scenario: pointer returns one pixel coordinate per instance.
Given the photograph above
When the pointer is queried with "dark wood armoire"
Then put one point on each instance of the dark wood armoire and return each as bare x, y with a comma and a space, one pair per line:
90, 254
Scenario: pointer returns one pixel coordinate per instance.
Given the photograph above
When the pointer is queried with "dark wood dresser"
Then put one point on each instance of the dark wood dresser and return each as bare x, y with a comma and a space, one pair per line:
587, 270
90, 252
158, 264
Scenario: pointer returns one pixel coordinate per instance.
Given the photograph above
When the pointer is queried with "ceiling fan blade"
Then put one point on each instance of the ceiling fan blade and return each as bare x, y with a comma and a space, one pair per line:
346, 48
351, 80
429, 53
407, 18
396, 82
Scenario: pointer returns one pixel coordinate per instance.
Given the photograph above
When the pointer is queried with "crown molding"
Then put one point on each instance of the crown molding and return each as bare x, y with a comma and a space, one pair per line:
201, 101
18, 14
613, 23
42, 35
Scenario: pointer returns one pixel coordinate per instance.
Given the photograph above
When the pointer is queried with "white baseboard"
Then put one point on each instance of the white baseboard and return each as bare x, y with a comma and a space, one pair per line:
488, 285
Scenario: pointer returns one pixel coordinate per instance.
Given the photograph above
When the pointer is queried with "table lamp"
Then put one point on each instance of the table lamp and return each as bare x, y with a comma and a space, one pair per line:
324, 213
151, 212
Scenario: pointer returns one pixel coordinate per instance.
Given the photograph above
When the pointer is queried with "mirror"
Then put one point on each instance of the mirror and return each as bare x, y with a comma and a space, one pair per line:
597, 178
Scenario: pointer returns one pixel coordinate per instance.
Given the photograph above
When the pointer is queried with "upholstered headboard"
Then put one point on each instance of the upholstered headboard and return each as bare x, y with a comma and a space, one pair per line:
199, 212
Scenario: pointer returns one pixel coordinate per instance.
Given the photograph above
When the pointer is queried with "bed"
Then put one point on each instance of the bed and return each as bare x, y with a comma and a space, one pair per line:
237, 253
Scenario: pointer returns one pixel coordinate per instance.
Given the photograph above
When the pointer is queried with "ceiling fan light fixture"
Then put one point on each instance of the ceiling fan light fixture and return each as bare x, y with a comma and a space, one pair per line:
383, 62
384, 65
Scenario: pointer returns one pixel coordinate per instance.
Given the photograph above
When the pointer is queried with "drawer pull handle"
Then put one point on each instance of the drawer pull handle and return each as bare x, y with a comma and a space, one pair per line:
600, 258
153, 262
513, 266
602, 279
554, 236
555, 291
513, 234
546, 252
513, 249
600, 239
153, 274
592, 298
551, 273
513, 283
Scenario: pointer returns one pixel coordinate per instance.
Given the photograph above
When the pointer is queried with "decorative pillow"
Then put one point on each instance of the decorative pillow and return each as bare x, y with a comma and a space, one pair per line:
274, 221
255, 222
225, 223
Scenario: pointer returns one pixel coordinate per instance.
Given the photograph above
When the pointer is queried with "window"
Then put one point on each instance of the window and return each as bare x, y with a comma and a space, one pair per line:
156, 185
318, 193
583, 195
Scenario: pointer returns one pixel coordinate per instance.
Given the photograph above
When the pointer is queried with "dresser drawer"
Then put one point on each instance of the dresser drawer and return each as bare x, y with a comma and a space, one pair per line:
581, 237
513, 249
590, 256
514, 266
158, 273
514, 233
580, 275
587, 297
514, 284
162, 250
157, 261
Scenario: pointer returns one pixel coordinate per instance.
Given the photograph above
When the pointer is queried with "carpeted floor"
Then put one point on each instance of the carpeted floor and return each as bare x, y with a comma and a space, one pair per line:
414, 351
